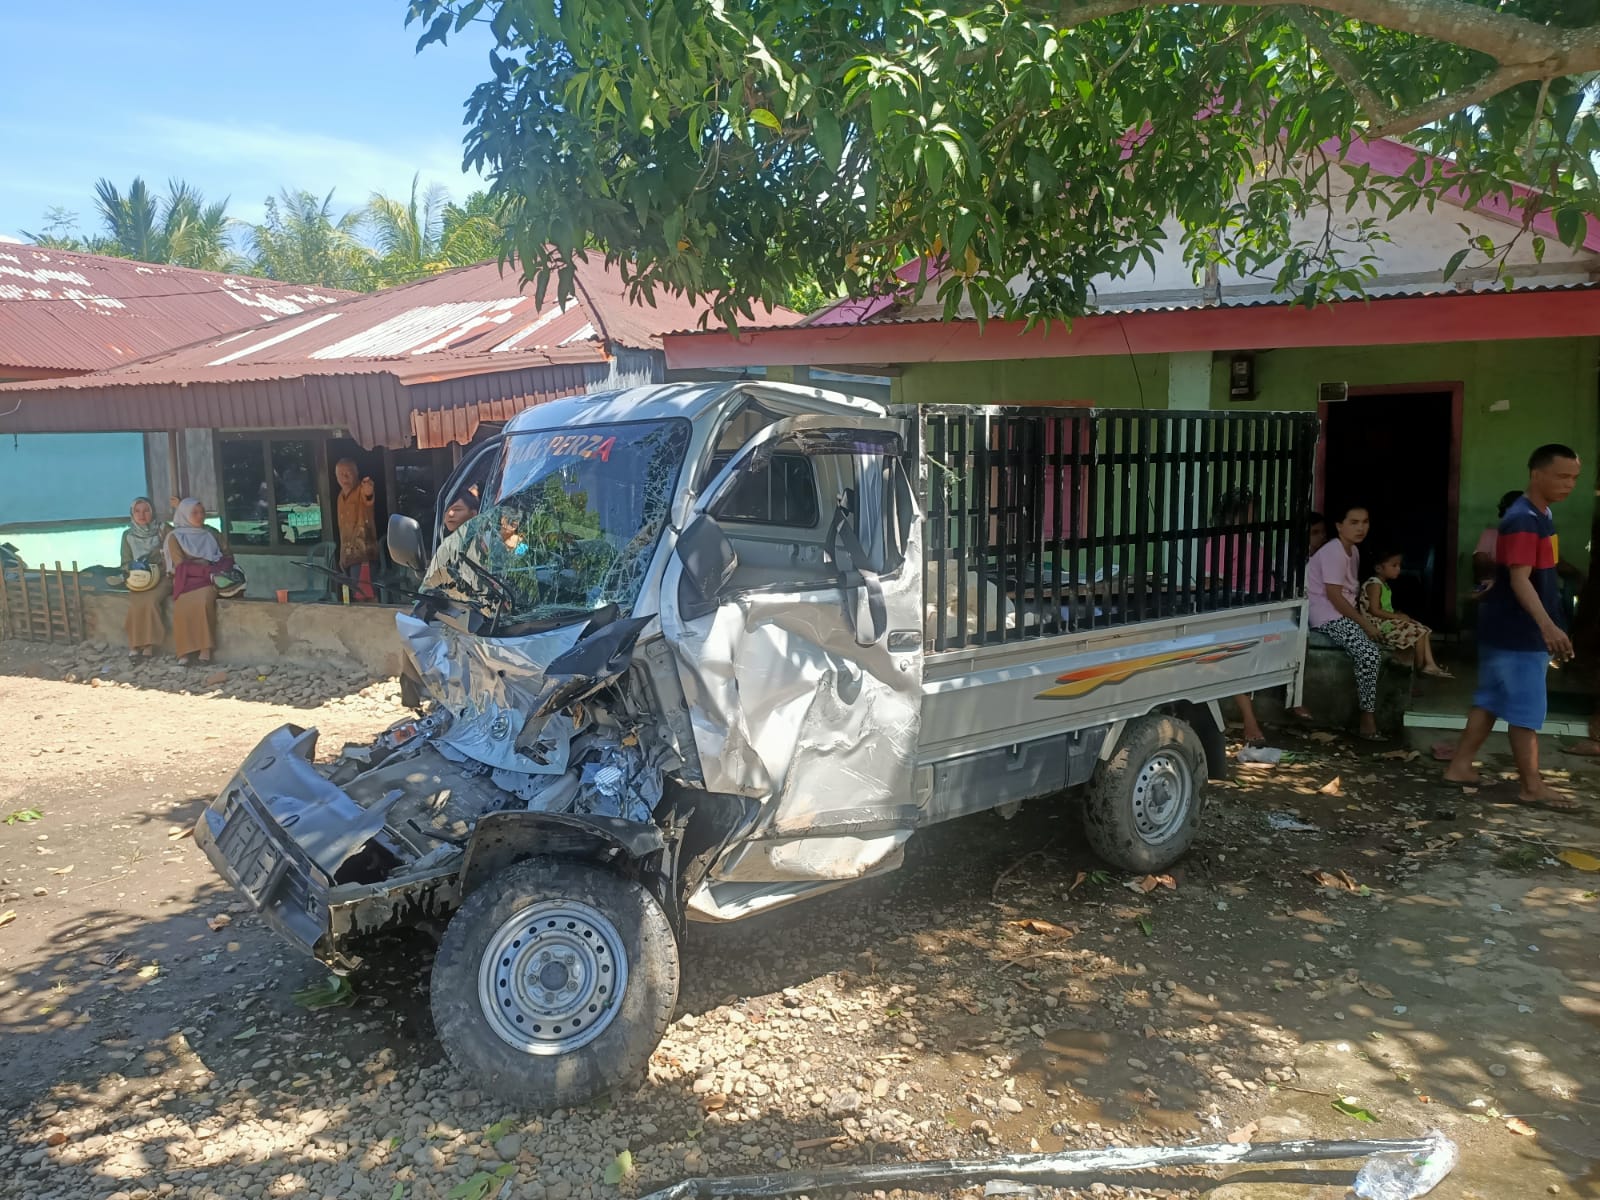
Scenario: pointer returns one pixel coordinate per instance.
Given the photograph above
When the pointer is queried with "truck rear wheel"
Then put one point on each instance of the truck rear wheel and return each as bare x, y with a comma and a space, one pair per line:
1144, 803
554, 983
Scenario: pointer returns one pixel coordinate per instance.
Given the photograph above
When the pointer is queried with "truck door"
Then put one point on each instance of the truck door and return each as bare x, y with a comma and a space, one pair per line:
793, 604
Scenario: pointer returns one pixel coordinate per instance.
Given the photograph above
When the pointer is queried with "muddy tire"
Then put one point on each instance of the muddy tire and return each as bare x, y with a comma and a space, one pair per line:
554, 983
1144, 803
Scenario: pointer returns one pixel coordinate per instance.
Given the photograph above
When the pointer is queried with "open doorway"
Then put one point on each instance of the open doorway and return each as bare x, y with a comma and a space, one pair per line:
1397, 450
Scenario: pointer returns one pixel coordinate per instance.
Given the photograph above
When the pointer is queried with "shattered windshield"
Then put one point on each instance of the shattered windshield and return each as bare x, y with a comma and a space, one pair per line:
570, 521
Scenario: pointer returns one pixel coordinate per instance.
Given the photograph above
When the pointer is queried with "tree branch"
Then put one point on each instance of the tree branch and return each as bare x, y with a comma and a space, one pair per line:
1510, 40
1418, 115
1318, 38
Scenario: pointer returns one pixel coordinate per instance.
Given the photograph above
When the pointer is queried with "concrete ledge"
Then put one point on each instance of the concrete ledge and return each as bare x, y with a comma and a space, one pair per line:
1330, 690
258, 631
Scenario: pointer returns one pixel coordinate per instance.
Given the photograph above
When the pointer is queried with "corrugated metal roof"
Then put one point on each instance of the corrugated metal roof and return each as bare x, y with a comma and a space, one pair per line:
470, 320
61, 311
369, 362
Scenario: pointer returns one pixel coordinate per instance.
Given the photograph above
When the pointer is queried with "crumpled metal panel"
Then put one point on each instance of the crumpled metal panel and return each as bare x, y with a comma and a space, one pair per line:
491, 685
789, 709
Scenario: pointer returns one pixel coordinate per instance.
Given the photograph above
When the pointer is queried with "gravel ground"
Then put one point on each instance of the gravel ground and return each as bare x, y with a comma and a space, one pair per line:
1001, 993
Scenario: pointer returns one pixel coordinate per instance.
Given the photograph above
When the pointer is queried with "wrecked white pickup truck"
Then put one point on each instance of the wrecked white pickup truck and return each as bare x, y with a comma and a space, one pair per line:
708, 649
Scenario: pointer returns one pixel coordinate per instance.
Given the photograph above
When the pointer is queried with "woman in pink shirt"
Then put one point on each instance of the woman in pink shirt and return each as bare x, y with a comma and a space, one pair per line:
1332, 578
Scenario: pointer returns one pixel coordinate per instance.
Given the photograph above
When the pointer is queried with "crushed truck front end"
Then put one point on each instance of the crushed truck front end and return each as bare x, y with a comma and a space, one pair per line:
323, 870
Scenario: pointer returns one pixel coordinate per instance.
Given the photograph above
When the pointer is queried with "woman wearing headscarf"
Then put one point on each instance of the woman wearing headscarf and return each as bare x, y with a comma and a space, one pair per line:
194, 554
142, 544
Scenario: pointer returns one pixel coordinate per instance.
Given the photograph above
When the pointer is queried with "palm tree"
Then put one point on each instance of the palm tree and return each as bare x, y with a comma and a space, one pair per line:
301, 241
178, 228
428, 233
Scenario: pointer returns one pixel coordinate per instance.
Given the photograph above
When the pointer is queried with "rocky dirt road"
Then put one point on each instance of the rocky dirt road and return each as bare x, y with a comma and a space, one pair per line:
1411, 956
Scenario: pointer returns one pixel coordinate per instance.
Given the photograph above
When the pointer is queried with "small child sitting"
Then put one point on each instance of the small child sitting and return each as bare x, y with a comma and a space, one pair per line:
1409, 638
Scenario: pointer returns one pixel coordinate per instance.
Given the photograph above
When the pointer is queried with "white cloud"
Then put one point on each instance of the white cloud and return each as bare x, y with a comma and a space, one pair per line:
257, 159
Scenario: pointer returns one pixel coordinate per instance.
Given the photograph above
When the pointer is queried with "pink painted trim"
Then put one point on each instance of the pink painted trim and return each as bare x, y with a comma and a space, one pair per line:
1395, 158
864, 308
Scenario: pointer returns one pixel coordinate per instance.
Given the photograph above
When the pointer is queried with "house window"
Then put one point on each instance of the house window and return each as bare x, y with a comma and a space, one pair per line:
272, 491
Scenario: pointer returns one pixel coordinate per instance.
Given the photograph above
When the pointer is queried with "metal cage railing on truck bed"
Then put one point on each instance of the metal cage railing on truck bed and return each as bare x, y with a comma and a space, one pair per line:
1044, 521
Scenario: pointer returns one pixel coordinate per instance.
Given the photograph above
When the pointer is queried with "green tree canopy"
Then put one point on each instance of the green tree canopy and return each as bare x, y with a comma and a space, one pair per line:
179, 228
301, 240
736, 148
427, 233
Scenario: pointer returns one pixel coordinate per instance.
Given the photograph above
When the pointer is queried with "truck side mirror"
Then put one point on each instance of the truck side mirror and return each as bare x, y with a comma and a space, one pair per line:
708, 561
405, 541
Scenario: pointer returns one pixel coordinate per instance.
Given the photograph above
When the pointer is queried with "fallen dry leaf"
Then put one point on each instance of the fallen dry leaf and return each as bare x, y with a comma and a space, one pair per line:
1376, 990
1323, 736
1401, 755
66, 870
220, 921
56, 1138
714, 1102
1048, 928
1334, 879
1242, 1135
180, 831
1078, 882
1149, 883
8, 916
1334, 787
1580, 860
1518, 1125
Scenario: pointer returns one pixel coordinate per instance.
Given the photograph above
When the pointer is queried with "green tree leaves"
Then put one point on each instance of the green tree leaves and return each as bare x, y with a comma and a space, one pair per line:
729, 149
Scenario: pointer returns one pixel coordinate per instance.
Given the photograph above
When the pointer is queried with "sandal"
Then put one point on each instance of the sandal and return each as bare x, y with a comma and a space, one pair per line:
1554, 803
1437, 673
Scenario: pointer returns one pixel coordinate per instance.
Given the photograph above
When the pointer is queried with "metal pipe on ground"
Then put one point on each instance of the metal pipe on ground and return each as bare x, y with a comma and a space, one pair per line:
1399, 1169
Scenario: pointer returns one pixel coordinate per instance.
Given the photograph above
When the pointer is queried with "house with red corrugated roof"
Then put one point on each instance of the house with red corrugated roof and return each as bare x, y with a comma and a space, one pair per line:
64, 314
398, 380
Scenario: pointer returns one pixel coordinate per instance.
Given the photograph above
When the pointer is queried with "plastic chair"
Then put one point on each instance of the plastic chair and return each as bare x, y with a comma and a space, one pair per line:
320, 574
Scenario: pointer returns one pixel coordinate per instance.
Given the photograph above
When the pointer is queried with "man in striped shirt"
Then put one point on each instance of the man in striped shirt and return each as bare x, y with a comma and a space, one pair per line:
1520, 630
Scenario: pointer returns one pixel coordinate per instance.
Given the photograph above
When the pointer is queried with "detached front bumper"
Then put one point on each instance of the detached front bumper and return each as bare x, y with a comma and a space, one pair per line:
279, 834
243, 833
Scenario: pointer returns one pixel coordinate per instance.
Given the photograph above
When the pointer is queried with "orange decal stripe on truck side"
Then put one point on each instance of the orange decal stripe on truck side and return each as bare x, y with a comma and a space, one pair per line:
1081, 683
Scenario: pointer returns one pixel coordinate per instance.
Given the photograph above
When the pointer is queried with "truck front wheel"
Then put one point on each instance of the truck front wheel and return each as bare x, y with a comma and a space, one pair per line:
1144, 803
554, 983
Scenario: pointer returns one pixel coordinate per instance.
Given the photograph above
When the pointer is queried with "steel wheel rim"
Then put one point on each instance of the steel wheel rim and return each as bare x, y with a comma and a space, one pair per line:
551, 977
1162, 796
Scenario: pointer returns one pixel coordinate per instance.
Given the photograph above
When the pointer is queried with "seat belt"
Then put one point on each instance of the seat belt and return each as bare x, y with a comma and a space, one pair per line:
844, 549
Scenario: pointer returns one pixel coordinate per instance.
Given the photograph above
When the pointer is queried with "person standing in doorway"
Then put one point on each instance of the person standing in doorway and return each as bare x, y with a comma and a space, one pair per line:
1521, 630
358, 528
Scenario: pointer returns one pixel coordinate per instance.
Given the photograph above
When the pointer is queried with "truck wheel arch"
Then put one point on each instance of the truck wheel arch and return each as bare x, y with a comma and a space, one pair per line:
1206, 721
504, 838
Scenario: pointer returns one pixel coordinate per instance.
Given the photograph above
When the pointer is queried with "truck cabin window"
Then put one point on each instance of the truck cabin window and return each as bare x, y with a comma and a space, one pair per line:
569, 523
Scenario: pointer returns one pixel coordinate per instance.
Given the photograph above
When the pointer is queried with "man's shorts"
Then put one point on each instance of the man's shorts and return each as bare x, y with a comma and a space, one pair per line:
1511, 685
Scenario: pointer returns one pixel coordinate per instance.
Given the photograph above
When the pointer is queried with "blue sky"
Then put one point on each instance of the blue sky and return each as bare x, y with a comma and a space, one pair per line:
238, 98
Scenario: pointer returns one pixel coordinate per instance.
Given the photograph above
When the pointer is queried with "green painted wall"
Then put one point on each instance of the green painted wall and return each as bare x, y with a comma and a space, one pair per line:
1106, 382
1547, 390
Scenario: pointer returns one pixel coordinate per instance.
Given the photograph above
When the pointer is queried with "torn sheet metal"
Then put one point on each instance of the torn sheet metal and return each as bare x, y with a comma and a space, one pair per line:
1076, 1168
459, 670
492, 686
779, 690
